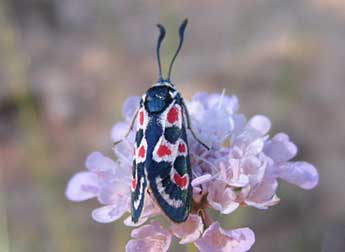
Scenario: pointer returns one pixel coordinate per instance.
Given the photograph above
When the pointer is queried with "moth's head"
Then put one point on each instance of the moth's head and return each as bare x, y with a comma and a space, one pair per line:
159, 97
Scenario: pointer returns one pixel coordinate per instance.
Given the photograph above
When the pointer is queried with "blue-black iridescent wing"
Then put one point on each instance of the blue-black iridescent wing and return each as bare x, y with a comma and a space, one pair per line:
167, 163
139, 181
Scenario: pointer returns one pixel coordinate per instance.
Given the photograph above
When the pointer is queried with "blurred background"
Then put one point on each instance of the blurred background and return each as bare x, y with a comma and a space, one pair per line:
66, 66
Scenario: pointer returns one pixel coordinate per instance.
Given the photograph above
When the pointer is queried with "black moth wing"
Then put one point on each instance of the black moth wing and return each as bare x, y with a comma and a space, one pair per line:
167, 163
139, 180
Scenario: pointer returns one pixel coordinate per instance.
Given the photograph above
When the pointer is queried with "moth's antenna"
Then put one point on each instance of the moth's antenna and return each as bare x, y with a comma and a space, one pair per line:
181, 34
159, 42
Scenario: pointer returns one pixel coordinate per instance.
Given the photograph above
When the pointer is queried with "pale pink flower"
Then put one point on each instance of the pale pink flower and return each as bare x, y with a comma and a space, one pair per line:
242, 168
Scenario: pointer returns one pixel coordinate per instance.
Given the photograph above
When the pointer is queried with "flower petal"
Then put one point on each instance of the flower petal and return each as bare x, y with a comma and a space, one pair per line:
190, 230
119, 131
142, 245
202, 179
201, 97
232, 174
301, 174
97, 162
221, 197
216, 125
262, 195
154, 230
231, 104
255, 147
217, 239
129, 107
280, 148
109, 213
239, 123
241, 181
196, 110
152, 237
82, 186
114, 191
260, 123
265, 204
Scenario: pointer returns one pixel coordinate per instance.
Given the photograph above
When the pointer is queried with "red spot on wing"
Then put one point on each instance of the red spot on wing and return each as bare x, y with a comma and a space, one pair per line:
141, 118
142, 152
134, 184
173, 115
181, 181
163, 150
182, 148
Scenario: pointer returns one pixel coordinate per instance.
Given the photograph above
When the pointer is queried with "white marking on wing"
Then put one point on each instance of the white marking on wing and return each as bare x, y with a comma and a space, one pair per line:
172, 202
141, 192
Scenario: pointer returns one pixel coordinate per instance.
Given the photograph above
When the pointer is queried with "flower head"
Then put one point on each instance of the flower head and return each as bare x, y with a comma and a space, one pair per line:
242, 168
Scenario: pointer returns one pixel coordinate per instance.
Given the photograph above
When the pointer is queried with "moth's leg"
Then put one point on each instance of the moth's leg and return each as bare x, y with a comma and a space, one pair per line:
130, 126
189, 126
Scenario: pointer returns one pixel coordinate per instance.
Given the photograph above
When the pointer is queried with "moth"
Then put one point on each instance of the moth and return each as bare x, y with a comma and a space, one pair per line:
161, 163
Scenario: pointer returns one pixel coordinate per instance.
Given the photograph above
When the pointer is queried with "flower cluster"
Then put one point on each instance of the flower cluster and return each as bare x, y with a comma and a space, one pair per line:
241, 169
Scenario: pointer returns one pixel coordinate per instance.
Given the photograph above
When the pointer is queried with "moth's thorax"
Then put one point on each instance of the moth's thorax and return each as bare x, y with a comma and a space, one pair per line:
159, 97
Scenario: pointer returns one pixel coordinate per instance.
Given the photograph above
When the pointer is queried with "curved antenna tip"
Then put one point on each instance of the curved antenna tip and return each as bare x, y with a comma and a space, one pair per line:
159, 42
160, 26
183, 27
185, 22
181, 34
161, 31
